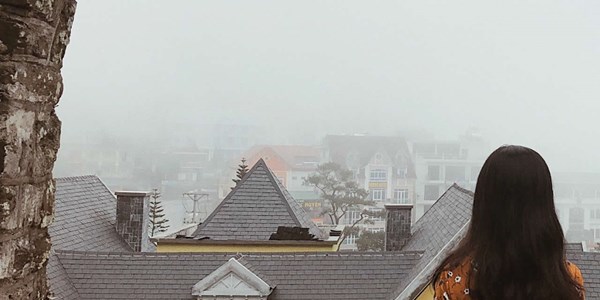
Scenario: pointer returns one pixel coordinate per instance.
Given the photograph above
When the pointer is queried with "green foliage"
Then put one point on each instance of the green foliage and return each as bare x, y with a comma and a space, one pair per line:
370, 241
241, 171
157, 223
339, 191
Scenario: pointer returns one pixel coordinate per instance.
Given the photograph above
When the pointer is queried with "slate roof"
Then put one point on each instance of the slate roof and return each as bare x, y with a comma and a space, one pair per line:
85, 213
254, 209
589, 264
295, 275
435, 233
60, 285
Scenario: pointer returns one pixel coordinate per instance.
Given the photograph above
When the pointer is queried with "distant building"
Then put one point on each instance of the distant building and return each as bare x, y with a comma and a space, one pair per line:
258, 215
380, 164
439, 165
402, 272
577, 200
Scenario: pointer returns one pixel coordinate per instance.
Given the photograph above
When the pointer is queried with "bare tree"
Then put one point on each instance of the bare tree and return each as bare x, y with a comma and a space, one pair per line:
33, 39
339, 192
341, 195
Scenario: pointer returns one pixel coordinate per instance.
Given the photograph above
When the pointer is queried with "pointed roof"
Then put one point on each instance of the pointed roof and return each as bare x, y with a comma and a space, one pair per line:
254, 209
436, 233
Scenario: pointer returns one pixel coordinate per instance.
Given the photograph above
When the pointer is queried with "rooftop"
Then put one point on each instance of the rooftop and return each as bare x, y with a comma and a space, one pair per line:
295, 276
254, 209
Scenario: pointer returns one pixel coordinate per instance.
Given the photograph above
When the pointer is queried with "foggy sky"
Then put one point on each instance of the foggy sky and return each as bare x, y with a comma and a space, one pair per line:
524, 72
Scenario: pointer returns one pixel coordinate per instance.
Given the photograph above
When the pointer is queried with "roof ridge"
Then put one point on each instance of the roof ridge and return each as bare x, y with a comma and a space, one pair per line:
462, 189
276, 183
78, 177
58, 260
454, 186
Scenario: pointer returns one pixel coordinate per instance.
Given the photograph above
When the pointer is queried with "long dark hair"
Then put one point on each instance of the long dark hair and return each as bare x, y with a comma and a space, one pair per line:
515, 241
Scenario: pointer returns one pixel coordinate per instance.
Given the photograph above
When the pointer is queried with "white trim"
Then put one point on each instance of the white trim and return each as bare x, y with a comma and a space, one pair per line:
253, 286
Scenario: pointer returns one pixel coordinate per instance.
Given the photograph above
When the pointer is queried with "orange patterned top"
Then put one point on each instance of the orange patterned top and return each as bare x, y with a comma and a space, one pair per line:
453, 284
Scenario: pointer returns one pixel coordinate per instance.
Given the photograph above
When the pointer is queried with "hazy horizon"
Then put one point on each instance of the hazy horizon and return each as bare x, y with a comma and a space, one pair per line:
520, 72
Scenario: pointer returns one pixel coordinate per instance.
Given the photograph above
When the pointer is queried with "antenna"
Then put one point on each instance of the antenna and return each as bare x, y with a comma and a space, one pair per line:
195, 196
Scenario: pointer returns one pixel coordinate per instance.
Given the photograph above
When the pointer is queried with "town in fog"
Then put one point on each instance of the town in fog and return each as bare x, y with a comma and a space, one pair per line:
291, 149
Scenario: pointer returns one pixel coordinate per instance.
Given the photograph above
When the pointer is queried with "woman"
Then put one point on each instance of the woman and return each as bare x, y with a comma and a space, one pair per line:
514, 248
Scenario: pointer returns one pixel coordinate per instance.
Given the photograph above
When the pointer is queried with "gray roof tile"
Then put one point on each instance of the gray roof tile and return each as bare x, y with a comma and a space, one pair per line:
85, 211
296, 275
589, 264
254, 209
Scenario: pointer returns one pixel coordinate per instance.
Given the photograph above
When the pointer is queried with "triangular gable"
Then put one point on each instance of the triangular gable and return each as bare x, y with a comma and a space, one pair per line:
254, 209
232, 279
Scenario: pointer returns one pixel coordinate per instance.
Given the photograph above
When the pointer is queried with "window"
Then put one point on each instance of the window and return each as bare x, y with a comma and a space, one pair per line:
377, 214
350, 239
378, 175
455, 173
433, 172
378, 195
576, 218
352, 216
595, 214
379, 229
597, 233
432, 192
400, 196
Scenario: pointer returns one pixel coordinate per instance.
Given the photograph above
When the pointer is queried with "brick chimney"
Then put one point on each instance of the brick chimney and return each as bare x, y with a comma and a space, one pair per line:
397, 226
132, 219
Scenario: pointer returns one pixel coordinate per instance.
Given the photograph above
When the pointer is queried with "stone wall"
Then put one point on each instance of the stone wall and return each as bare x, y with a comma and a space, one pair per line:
132, 219
33, 39
397, 226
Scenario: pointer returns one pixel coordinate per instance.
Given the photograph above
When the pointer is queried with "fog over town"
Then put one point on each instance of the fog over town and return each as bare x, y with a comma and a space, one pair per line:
523, 73
146, 80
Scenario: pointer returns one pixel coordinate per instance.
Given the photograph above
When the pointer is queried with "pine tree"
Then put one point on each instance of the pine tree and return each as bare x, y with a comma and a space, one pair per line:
241, 171
158, 223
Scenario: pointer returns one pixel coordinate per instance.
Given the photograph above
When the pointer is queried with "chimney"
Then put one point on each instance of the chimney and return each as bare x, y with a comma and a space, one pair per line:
132, 219
397, 226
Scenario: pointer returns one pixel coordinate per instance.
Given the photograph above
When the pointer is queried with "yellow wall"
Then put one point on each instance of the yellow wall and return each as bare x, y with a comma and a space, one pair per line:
165, 247
427, 294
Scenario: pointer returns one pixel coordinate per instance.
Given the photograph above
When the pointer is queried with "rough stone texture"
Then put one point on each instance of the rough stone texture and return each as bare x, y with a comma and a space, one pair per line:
33, 39
132, 219
397, 226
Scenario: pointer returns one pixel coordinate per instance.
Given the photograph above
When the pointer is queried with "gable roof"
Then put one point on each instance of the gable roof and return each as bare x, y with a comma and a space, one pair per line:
254, 209
60, 285
352, 275
84, 219
365, 147
436, 233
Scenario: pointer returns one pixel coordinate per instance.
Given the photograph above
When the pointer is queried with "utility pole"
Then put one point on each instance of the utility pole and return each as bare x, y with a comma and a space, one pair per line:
195, 196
